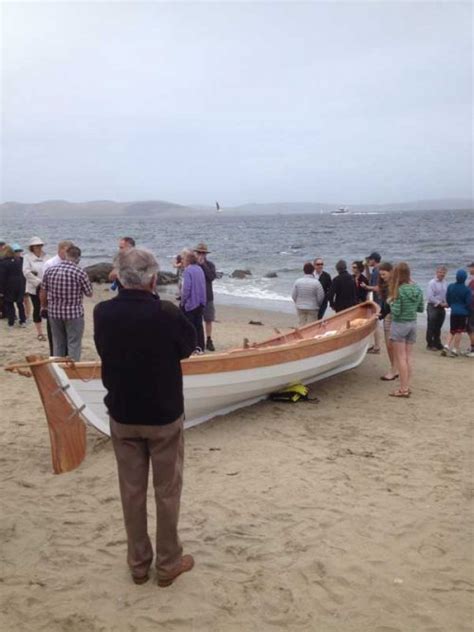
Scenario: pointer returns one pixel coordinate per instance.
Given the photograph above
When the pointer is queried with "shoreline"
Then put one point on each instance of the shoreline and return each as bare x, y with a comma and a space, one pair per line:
354, 511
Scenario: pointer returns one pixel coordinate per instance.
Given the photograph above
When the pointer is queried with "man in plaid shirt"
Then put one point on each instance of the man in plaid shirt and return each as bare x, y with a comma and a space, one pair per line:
62, 290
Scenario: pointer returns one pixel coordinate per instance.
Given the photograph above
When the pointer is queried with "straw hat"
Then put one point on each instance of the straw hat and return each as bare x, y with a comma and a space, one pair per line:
201, 247
36, 241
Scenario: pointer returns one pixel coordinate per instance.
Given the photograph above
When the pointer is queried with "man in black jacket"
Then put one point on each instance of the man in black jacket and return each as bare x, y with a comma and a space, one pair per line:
342, 293
325, 280
141, 341
209, 312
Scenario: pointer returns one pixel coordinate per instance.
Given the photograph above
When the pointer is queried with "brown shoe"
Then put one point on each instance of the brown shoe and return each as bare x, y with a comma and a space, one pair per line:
186, 563
140, 579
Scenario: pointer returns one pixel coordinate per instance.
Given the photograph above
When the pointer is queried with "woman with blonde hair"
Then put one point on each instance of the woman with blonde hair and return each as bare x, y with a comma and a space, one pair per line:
405, 300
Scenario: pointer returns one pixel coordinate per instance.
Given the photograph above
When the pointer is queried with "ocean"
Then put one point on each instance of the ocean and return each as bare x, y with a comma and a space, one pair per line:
269, 243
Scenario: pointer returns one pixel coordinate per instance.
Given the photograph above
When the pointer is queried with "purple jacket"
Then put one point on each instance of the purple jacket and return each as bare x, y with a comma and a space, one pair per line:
193, 291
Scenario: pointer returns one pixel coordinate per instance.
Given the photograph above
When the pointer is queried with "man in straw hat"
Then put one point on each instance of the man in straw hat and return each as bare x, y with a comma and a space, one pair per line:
209, 312
141, 341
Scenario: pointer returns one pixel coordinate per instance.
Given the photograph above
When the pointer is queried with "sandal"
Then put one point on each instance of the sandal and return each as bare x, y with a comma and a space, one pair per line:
400, 393
384, 378
41, 337
374, 350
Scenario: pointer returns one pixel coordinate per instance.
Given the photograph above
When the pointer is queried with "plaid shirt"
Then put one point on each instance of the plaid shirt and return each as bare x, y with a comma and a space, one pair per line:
65, 284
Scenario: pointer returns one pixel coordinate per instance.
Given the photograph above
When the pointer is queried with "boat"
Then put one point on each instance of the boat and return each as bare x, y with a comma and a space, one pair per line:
72, 392
342, 210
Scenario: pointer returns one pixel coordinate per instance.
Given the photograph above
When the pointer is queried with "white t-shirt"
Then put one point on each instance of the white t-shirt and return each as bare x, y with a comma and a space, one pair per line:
54, 261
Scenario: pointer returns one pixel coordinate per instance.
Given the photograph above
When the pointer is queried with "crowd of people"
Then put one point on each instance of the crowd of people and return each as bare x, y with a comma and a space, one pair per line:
51, 292
400, 300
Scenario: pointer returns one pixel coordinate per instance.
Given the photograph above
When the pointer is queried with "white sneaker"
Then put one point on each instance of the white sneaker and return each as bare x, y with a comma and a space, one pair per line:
469, 354
453, 354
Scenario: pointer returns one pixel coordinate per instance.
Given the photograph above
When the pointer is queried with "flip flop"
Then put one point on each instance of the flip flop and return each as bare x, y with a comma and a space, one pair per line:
400, 393
384, 378
42, 337
373, 350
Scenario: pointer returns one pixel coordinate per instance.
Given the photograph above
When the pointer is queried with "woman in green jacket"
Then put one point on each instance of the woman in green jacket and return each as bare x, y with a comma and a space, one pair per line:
406, 301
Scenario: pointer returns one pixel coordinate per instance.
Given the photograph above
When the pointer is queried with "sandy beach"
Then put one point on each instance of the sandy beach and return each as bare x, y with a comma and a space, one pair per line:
353, 513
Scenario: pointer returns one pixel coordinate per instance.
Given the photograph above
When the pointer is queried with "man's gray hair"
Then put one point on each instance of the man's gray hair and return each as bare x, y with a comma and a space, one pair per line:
73, 253
135, 267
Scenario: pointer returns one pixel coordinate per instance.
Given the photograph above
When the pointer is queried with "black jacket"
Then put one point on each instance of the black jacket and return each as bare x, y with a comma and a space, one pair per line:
209, 270
342, 293
12, 279
325, 280
141, 340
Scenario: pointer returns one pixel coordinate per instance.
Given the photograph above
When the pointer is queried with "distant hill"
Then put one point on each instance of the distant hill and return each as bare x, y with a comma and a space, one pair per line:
97, 208
152, 208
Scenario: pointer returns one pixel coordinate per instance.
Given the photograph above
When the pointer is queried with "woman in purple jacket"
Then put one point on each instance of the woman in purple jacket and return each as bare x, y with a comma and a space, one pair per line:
193, 294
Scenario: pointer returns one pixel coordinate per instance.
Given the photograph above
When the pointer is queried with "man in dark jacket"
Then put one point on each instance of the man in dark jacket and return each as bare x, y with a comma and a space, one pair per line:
209, 312
342, 293
325, 280
141, 341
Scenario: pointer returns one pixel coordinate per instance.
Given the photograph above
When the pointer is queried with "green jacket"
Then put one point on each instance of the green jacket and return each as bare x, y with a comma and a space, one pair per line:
409, 302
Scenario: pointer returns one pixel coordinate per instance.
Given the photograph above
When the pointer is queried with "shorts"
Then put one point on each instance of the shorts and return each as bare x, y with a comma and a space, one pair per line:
458, 324
403, 332
209, 313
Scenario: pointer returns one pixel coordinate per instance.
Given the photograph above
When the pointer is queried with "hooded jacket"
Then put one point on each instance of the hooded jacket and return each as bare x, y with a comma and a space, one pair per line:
459, 296
408, 303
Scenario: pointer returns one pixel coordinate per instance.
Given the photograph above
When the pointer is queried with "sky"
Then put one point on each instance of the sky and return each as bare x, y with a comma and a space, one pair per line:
341, 102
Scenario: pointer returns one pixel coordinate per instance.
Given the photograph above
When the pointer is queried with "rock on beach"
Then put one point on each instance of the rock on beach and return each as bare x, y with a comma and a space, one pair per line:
99, 273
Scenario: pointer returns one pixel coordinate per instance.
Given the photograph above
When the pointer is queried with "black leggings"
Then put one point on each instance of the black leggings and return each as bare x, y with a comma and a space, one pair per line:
36, 308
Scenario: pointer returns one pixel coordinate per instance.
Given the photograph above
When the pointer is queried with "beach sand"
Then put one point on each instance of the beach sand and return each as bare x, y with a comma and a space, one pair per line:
353, 513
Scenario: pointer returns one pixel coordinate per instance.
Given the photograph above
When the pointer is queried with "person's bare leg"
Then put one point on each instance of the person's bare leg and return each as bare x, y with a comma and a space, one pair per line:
391, 356
457, 342
409, 360
39, 328
208, 326
27, 305
377, 337
399, 349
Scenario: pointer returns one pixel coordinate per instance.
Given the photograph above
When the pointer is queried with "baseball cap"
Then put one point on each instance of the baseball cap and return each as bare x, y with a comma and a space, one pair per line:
375, 256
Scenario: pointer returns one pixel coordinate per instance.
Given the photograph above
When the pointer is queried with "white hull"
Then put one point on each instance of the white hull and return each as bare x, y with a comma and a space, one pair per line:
209, 395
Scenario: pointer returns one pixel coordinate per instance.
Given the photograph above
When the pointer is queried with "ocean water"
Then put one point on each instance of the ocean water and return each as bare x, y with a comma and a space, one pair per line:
270, 243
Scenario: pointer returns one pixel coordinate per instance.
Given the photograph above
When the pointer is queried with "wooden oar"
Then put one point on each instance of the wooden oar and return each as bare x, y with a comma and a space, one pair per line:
67, 430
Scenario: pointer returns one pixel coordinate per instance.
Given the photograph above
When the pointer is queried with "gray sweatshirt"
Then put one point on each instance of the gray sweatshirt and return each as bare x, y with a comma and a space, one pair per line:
307, 292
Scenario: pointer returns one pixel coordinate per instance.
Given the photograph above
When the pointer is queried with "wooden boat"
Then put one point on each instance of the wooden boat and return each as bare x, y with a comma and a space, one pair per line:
72, 392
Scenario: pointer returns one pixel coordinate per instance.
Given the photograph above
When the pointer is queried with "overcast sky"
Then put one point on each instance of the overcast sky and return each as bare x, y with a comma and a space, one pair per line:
355, 102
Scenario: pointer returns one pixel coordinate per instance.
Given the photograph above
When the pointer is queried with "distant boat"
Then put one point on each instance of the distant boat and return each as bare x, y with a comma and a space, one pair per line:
218, 207
342, 210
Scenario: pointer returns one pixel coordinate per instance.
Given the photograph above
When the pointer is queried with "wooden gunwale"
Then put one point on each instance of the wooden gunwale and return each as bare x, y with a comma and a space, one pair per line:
258, 356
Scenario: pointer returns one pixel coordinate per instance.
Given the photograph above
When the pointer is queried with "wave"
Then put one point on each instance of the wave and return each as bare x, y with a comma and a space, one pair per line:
250, 291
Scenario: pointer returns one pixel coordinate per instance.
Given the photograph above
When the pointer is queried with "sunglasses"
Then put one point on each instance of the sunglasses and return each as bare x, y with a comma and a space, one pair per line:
319, 264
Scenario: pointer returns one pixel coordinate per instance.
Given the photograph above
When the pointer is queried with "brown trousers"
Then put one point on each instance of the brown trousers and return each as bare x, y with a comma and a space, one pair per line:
135, 446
